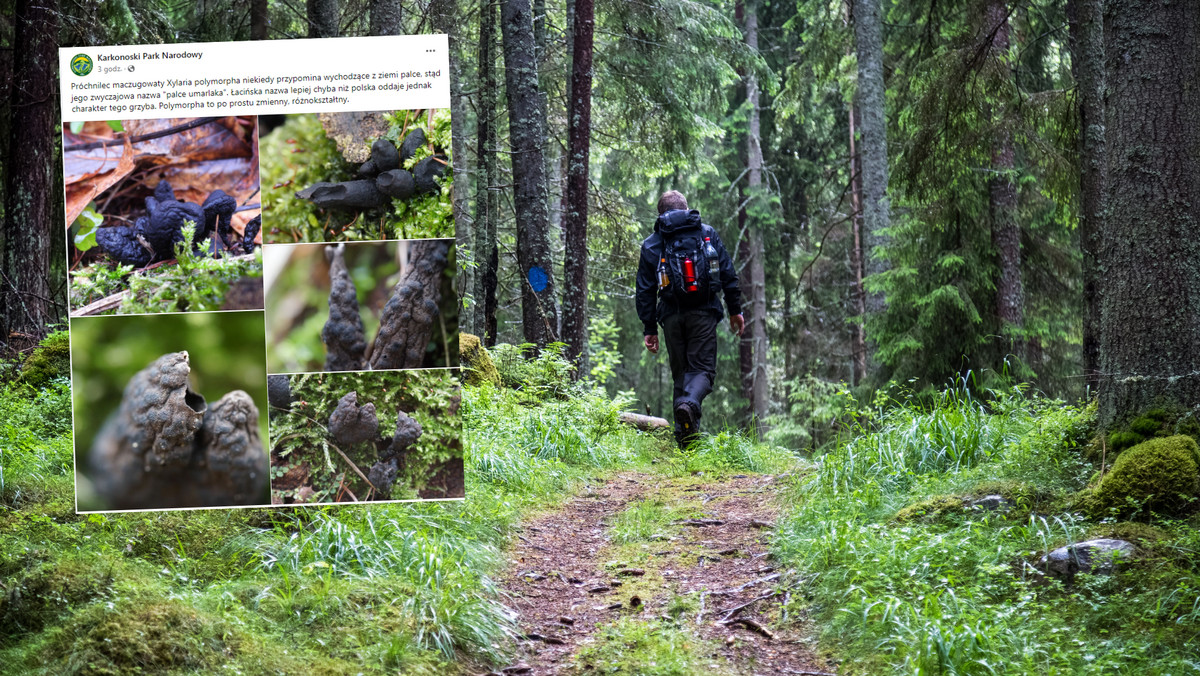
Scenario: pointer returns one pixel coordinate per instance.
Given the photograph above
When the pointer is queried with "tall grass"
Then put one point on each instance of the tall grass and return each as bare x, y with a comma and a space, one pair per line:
960, 592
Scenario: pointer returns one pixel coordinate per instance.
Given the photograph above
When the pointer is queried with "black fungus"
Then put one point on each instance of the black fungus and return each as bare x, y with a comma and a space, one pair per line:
231, 452
384, 156
396, 183
407, 320
343, 335
166, 448
426, 171
279, 393
250, 233
383, 476
352, 424
153, 237
349, 195
378, 178
414, 140
307, 193
408, 430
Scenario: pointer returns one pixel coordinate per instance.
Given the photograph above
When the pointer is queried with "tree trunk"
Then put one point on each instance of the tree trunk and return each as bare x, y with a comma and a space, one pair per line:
1087, 64
575, 206
258, 19
758, 283
487, 197
1002, 200
527, 135
322, 18
873, 160
858, 341
746, 341
1150, 334
385, 18
28, 214
444, 13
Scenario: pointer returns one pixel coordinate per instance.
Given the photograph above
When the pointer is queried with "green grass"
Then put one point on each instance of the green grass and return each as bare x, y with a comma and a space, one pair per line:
406, 588
957, 592
636, 647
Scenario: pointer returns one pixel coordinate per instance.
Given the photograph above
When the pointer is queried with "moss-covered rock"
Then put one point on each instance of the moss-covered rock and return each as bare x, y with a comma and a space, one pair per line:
476, 361
1147, 538
51, 359
932, 508
1160, 474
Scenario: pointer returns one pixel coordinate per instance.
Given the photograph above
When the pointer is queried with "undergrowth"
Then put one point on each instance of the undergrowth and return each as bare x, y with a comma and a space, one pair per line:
389, 588
196, 282
953, 588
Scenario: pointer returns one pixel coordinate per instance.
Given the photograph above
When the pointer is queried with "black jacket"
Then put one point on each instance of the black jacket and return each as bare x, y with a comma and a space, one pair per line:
650, 308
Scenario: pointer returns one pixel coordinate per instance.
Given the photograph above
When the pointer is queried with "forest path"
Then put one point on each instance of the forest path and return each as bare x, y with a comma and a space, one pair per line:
685, 558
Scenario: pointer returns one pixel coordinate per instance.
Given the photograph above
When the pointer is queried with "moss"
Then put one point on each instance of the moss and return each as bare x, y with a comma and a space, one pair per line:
1016, 492
1146, 537
478, 362
139, 638
1145, 426
48, 591
931, 508
1188, 425
1123, 439
51, 359
1160, 474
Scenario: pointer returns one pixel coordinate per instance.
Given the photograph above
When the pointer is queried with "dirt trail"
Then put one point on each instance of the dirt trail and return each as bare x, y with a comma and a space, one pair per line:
710, 568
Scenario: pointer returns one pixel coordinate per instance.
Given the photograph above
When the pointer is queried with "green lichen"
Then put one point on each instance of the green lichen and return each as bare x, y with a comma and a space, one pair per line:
477, 362
1157, 475
50, 360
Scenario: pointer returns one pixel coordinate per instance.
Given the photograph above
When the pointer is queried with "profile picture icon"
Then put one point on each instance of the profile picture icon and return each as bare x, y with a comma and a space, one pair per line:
81, 64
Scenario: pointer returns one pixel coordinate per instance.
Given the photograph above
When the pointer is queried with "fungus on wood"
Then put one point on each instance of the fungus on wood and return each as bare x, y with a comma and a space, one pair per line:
343, 334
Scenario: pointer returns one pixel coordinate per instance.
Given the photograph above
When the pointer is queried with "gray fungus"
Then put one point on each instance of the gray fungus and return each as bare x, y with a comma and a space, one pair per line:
166, 447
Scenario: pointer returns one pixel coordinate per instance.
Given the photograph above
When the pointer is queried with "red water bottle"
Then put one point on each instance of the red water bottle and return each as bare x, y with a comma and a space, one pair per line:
689, 275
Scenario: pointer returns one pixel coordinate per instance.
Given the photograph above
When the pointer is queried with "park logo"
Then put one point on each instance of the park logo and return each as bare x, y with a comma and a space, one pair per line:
81, 64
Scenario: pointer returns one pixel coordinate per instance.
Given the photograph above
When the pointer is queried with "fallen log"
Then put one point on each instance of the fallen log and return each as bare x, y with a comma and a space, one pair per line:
643, 422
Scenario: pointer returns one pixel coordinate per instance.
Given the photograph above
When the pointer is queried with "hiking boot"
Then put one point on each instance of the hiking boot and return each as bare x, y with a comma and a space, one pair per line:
687, 422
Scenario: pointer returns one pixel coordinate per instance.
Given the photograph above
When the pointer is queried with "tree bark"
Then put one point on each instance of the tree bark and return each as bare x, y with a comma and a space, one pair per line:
527, 135
444, 13
1002, 199
1150, 331
487, 196
873, 160
746, 341
575, 206
28, 213
758, 284
258, 19
322, 18
1086, 22
858, 341
385, 17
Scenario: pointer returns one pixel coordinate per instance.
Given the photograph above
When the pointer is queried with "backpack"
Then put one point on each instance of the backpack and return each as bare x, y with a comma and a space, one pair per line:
688, 290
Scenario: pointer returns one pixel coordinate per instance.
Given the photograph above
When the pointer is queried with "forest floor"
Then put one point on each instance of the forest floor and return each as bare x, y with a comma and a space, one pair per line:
646, 574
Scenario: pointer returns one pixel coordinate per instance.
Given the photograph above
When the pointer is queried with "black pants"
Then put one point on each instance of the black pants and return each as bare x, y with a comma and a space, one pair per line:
691, 339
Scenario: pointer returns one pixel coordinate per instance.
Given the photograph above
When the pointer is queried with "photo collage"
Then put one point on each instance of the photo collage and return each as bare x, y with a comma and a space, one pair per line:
262, 310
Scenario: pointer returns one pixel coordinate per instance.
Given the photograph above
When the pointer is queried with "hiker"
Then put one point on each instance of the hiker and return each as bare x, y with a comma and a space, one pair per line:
683, 266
